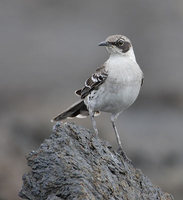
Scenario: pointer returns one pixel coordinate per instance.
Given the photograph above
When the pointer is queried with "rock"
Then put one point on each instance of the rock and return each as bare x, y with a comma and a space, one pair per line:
75, 164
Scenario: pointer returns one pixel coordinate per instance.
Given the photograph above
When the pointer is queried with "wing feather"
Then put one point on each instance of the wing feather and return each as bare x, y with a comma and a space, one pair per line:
93, 82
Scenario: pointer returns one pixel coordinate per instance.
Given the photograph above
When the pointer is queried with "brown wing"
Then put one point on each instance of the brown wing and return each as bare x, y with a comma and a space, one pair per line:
93, 82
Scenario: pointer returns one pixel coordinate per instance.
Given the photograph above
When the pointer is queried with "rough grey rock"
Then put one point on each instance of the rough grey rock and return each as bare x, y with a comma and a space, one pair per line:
75, 164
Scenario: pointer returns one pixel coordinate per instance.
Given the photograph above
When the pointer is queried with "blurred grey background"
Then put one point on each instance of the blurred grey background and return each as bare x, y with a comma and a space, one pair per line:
47, 50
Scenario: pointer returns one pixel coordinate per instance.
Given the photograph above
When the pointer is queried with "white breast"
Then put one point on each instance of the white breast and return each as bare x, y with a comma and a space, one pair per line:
121, 88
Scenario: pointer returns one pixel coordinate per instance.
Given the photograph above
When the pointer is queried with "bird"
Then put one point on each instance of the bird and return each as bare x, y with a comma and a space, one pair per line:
112, 88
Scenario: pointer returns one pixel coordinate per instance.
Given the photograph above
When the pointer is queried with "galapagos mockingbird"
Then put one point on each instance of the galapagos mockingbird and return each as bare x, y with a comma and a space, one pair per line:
112, 88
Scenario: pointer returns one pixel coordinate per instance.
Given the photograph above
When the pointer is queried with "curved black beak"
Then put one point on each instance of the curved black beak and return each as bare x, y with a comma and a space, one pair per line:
104, 43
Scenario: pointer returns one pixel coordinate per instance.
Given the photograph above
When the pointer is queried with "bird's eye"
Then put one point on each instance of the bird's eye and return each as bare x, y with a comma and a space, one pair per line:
120, 42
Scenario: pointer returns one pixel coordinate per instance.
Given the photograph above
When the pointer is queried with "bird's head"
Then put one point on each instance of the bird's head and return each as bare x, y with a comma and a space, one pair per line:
117, 44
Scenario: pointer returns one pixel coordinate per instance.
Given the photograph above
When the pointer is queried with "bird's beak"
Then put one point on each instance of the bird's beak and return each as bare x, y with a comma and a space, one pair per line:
104, 43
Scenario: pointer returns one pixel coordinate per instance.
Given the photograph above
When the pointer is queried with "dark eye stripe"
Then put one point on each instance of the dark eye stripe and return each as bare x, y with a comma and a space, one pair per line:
125, 46
118, 43
113, 43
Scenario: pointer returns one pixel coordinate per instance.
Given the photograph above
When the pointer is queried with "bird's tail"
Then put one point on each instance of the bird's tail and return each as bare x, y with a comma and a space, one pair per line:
78, 109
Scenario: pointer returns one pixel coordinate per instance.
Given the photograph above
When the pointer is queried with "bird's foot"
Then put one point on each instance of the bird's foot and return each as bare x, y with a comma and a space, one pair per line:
96, 132
123, 154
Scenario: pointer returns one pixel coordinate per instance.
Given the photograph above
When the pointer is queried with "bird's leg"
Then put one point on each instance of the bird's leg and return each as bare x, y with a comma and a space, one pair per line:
117, 134
91, 113
119, 140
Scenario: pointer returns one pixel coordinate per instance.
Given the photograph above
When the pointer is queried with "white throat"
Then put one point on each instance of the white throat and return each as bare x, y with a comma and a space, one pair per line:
130, 55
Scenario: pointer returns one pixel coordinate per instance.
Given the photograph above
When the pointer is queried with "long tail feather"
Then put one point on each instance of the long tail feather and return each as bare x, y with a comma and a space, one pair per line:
77, 109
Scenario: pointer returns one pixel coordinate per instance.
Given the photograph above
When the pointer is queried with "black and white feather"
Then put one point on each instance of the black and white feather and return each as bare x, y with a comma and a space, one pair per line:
93, 82
79, 109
